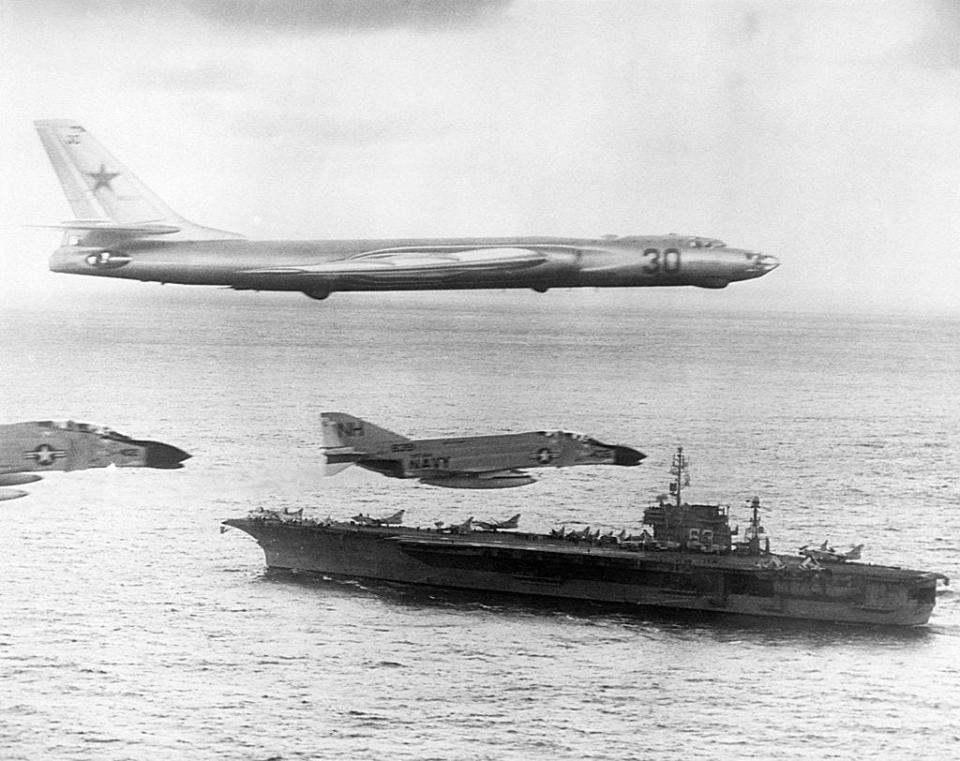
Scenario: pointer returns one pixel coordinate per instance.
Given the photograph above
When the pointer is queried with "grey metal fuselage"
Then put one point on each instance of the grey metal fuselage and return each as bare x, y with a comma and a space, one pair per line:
628, 261
30, 448
495, 453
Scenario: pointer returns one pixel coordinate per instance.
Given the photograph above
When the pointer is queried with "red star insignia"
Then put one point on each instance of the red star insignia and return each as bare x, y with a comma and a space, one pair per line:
102, 178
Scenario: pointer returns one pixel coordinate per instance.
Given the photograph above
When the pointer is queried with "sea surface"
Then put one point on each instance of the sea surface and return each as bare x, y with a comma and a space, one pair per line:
132, 628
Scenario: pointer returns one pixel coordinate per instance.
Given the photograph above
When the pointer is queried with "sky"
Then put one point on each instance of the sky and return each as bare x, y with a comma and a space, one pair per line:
824, 133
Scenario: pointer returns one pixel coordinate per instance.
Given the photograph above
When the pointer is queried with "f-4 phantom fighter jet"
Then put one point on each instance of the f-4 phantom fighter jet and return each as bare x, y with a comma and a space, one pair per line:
28, 449
476, 462
124, 230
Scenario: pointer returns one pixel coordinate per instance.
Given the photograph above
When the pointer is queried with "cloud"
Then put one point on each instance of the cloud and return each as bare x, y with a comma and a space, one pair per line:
319, 130
299, 15
193, 77
349, 14
936, 45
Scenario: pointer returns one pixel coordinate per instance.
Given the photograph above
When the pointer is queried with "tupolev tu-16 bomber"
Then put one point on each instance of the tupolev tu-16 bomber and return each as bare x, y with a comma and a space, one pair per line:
123, 230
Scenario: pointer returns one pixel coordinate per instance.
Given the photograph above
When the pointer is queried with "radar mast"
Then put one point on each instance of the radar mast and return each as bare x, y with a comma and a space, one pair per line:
681, 475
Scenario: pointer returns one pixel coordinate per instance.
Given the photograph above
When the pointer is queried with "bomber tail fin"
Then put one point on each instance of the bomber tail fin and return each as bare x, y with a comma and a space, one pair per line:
347, 439
103, 192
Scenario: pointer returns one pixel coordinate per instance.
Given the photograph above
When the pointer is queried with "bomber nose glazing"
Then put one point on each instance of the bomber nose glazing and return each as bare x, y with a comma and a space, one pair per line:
761, 264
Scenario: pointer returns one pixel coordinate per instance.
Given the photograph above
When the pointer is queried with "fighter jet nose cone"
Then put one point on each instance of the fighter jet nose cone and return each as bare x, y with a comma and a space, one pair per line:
627, 456
164, 456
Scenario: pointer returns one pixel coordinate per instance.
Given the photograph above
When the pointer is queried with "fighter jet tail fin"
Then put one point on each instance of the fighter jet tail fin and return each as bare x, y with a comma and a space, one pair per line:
347, 439
343, 430
100, 189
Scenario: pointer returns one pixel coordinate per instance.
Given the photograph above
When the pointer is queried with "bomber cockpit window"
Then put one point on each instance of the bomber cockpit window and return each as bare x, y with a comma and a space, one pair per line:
706, 243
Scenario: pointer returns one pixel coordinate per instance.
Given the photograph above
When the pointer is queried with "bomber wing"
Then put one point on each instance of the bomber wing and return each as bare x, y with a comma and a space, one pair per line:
424, 262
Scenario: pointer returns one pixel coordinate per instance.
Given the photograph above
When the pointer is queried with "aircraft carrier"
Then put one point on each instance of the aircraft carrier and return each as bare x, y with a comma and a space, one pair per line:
689, 558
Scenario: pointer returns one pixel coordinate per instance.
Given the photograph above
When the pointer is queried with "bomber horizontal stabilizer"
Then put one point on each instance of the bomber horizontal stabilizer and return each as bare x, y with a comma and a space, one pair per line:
116, 229
6, 494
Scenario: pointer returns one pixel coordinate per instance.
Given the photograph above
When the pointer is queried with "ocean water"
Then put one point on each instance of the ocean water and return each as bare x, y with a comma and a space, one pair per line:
131, 628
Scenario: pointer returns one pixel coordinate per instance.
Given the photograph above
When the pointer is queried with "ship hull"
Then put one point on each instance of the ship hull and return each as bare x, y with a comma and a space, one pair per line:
541, 566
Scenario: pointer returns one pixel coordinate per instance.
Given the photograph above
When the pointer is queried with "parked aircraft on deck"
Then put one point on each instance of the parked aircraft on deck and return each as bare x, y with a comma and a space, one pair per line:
28, 449
475, 462
123, 230
827, 554
394, 519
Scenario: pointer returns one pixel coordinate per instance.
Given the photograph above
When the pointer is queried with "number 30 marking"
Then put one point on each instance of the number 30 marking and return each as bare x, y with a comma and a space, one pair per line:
667, 261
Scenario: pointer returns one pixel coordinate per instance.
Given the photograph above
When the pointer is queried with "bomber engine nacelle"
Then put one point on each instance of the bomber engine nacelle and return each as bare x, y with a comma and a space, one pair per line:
497, 481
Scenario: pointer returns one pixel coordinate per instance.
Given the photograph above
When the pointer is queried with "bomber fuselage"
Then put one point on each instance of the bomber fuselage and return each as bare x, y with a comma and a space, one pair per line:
299, 265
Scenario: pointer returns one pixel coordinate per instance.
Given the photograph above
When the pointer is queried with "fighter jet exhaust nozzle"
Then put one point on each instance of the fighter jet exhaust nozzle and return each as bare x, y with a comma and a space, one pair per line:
162, 456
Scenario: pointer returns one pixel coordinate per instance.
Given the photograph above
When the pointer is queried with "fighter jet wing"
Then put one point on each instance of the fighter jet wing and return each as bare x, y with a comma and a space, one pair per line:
442, 262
